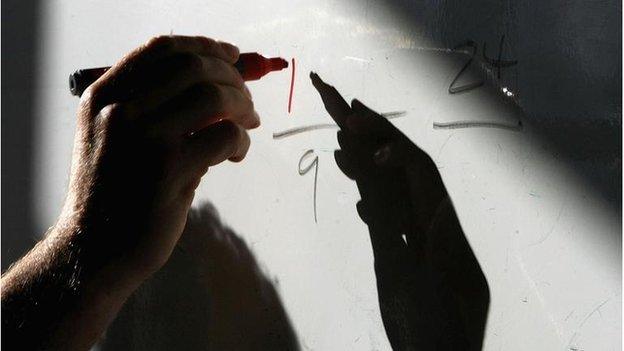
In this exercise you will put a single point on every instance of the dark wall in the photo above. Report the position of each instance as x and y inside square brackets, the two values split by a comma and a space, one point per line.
[568, 76]
[19, 33]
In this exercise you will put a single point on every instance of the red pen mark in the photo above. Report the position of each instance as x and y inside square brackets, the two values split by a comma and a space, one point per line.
[292, 85]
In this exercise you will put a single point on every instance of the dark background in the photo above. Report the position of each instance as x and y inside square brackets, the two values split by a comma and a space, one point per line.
[20, 25]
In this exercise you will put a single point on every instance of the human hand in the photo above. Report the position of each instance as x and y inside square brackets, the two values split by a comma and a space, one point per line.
[147, 132]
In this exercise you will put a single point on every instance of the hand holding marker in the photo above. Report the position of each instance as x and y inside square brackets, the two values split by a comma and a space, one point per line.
[251, 66]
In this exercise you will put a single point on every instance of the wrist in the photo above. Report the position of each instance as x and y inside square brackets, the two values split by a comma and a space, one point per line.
[77, 295]
[103, 275]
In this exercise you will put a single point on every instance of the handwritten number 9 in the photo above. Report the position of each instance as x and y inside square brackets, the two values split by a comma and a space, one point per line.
[306, 169]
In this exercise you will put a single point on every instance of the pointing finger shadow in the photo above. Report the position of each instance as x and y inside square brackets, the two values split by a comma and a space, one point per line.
[432, 292]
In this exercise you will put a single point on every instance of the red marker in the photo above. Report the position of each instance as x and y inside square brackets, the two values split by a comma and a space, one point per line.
[251, 65]
[292, 85]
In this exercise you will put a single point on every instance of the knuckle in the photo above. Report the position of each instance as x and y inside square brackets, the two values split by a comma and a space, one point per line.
[213, 95]
[232, 73]
[191, 62]
[229, 71]
[111, 115]
[240, 82]
[244, 144]
[208, 43]
[89, 98]
[232, 133]
[161, 42]
[249, 104]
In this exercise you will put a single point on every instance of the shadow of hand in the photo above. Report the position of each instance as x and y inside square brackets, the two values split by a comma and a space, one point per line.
[211, 295]
[432, 292]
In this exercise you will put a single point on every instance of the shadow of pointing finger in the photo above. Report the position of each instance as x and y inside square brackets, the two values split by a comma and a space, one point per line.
[432, 292]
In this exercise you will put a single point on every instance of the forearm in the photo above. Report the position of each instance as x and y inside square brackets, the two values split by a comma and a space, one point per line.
[60, 296]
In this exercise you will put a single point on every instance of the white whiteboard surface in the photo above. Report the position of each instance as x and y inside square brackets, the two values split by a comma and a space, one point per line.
[548, 244]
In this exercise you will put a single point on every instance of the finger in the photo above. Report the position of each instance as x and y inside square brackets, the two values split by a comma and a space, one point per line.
[215, 144]
[231, 49]
[120, 79]
[201, 106]
[177, 73]
[197, 44]
[243, 147]
[167, 45]
[335, 105]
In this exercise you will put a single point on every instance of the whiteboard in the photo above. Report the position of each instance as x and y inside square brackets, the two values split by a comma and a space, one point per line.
[547, 239]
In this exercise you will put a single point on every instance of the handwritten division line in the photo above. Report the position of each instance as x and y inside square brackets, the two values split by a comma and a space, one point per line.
[299, 130]
[393, 114]
[477, 124]
[293, 131]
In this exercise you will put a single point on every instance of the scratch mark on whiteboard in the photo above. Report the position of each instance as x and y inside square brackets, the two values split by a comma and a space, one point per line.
[294, 131]
[444, 144]
[576, 333]
[597, 309]
[568, 316]
[540, 298]
[552, 228]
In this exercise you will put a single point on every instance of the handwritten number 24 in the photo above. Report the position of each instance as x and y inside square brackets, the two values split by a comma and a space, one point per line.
[498, 63]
